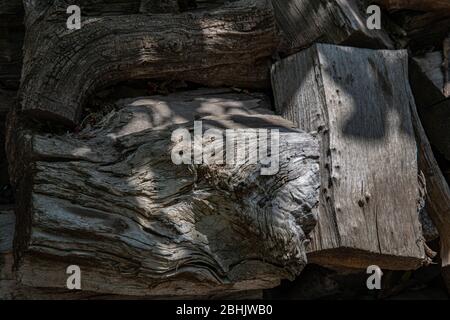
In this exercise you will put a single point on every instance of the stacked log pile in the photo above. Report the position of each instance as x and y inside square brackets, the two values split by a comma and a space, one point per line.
[361, 117]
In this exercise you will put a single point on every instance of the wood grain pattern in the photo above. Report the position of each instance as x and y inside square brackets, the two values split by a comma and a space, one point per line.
[110, 200]
[229, 45]
[356, 100]
[304, 22]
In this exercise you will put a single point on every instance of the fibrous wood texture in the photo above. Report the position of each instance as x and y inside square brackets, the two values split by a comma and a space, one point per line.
[357, 100]
[110, 200]
[217, 44]
[304, 22]
[225, 46]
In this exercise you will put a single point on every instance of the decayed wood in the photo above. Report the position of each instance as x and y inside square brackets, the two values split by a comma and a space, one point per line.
[11, 288]
[438, 192]
[229, 45]
[7, 221]
[217, 44]
[426, 82]
[110, 200]
[304, 22]
[356, 100]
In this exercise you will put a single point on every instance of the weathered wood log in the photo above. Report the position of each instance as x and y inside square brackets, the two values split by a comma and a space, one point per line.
[304, 22]
[110, 200]
[356, 100]
[225, 46]
[11, 39]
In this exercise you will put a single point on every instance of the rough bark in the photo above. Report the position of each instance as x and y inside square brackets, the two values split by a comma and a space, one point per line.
[356, 99]
[110, 200]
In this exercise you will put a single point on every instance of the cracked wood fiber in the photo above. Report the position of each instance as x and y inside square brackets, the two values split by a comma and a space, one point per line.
[305, 22]
[11, 288]
[420, 5]
[438, 193]
[357, 100]
[110, 200]
[229, 45]
[218, 43]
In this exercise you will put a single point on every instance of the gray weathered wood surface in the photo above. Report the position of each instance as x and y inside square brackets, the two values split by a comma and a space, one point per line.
[419, 5]
[304, 22]
[110, 200]
[357, 100]
[11, 40]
